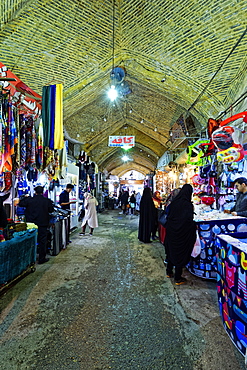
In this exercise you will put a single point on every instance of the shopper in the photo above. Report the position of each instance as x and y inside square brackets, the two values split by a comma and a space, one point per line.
[180, 233]
[240, 207]
[37, 210]
[170, 198]
[147, 222]
[90, 217]
[157, 199]
[138, 200]
[157, 203]
[65, 203]
[132, 203]
[125, 201]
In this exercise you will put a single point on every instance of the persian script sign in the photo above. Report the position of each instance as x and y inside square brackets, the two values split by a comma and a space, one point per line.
[121, 141]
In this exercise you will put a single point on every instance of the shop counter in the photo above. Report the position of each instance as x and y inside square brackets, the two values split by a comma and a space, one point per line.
[232, 286]
[204, 265]
[17, 255]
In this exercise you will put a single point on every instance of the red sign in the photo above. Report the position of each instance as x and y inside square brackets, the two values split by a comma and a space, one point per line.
[121, 141]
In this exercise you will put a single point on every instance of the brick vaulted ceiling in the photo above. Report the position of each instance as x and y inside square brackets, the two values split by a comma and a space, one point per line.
[181, 58]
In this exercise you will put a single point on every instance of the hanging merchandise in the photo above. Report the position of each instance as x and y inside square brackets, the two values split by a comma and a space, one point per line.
[40, 140]
[25, 99]
[52, 116]
[228, 141]
[7, 180]
[242, 115]
[196, 154]
[209, 147]
[8, 134]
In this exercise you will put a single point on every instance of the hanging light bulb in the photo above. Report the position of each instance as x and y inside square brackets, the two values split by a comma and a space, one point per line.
[112, 93]
[105, 119]
[142, 121]
[130, 110]
[155, 129]
[92, 129]
[125, 158]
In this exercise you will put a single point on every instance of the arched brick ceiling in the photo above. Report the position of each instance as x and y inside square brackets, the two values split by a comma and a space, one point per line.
[189, 45]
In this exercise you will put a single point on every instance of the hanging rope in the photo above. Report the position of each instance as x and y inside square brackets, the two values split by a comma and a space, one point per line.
[113, 33]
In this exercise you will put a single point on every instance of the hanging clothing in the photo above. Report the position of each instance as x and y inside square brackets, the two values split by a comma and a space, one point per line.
[23, 141]
[147, 224]
[13, 139]
[40, 140]
[63, 161]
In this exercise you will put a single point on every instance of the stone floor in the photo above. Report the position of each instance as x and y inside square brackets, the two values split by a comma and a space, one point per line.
[105, 303]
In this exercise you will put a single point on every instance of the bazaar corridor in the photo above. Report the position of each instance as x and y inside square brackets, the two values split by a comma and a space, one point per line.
[105, 303]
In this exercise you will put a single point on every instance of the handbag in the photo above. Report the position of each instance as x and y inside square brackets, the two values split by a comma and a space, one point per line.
[163, 218]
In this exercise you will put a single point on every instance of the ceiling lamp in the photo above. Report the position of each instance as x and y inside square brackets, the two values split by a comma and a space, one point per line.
[112, 93]
[125, 158]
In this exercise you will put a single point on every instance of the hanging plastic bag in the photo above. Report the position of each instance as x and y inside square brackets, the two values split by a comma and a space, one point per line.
[197, 246]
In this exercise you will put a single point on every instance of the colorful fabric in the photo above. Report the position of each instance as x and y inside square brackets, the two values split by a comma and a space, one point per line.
[40, 140]
[23, 153]
[13, 139]
[46, 114]
[52, 116]
[59, 140]
[63, 161]
[7, 160]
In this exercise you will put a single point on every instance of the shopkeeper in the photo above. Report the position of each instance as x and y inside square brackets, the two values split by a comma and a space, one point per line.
[65, 202]
[240, 207]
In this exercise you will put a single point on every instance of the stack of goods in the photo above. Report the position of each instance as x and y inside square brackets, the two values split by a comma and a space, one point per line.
[20, 226]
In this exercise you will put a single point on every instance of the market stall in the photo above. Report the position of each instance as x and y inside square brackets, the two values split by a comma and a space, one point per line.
[232, 286]
[17, 256]
[209, 227]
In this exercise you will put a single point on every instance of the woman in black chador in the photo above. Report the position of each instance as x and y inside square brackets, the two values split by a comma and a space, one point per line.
[180, 233]
[147, 221]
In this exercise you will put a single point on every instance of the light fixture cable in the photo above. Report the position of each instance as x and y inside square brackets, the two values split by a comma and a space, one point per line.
[113, 33]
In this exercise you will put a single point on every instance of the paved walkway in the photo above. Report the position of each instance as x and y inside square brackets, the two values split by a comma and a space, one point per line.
[105, 303]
